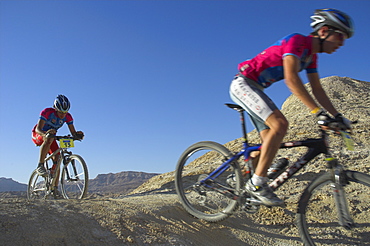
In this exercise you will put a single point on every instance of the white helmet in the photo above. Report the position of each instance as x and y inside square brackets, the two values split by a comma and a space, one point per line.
[333, 18]
[62, 104]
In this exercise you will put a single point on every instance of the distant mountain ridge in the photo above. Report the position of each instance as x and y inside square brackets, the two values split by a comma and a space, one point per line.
[8, 184]
[121, 183]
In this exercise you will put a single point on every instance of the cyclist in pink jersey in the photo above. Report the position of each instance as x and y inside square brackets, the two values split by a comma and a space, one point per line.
[51, 119]
[284, 60]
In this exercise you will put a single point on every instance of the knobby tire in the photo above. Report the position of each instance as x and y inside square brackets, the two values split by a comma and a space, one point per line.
[204, 202]
[74, 178]
[36, 188]
[317, 216]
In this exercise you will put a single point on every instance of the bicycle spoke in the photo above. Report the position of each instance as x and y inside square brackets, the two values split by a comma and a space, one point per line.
[74, 178]
[36, 187]
[204, 198]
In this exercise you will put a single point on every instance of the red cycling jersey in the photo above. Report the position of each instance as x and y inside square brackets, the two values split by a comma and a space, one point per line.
[52, 121]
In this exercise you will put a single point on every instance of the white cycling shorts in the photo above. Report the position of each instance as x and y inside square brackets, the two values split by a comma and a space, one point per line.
[257, 104]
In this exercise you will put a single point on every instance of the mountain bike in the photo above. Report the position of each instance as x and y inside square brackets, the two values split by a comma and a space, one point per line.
[210, 183]
[71, 169]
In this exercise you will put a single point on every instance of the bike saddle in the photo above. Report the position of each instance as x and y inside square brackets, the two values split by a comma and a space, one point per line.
[234, 106]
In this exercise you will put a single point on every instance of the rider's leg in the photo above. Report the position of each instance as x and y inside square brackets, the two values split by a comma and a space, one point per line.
[271, 124]
[255, 155]
[271, 139]
[56, 176]
[44, 149]
[49, 145]
[54, 147]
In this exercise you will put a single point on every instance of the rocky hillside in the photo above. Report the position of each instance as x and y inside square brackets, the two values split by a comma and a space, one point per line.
[119, 183]
[152, 215]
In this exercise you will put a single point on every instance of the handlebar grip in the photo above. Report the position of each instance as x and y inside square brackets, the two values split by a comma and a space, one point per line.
[78, 136]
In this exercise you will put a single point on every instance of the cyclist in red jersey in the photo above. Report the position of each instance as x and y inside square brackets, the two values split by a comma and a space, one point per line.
[284, 60]
[51, 119]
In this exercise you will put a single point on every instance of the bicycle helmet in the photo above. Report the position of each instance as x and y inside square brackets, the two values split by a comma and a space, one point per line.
[333, 18]
[62, 104]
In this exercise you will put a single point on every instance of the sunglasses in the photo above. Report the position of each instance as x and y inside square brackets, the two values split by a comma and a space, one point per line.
[342, 36]
[62, 112]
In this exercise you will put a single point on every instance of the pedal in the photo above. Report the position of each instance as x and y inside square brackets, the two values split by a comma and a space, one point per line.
[251, 205]
[253, 201]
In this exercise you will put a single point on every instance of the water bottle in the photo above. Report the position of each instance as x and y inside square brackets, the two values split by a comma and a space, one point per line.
[277, 168]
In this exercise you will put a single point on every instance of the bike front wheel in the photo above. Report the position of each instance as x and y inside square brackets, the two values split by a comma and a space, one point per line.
[37, 188]
[75, 178]
[208, 199]
[319, 212]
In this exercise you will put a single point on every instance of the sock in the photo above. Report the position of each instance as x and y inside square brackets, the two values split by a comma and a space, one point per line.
[41, 164]
[258, 180]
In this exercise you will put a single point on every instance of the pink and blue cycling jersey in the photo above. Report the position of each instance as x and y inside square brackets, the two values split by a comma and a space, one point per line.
[267, 67]
[52, 121]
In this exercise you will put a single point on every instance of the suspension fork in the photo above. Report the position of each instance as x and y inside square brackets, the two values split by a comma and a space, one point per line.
[66, 160]
[339, 181]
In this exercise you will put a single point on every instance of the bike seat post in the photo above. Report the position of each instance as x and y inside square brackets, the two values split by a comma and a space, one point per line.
[244, 128]
[242, 120]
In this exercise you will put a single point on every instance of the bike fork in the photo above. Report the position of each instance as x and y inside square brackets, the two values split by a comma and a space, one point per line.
[66, 162]
[344, 216]
[340, 180]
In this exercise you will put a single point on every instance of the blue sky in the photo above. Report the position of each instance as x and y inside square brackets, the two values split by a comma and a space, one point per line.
[145, 78]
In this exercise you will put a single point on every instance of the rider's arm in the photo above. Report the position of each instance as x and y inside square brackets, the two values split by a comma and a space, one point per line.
[75, 133]
[320, 94]
[72, 129]
[293, 81]
[40, 125]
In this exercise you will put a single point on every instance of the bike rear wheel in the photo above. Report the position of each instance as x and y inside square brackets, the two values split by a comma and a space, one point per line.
[317, 216]
[206, 201]
[75, 178]
[37, 188]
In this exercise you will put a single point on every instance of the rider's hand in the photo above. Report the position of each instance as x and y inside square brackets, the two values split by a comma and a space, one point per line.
[79, 135]
[50, 133]
[344, 121]
[322, 116]
[323, 119]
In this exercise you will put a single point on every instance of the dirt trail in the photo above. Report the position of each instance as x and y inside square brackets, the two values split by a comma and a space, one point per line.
[150, 219]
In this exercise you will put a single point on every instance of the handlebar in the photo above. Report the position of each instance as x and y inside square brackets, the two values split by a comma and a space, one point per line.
[78, 137]
[334, 125]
